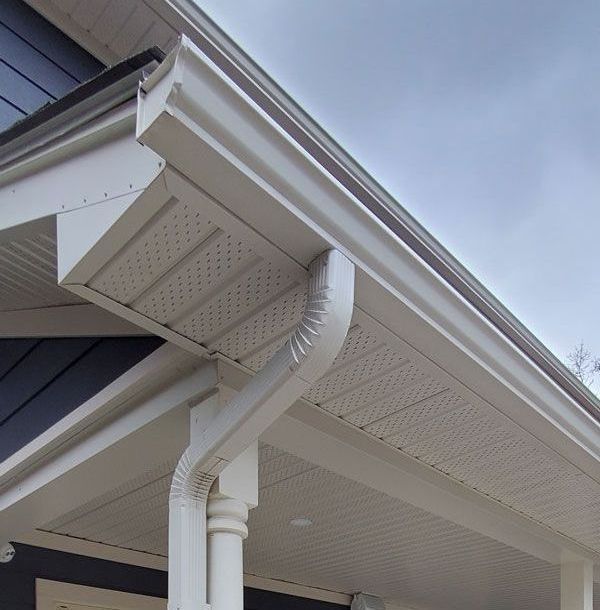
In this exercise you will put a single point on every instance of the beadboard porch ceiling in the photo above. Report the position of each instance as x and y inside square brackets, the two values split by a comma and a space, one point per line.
[360, 540]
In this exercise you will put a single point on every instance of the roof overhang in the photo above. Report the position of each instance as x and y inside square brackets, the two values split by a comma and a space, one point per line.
[196, 118]
[210, 147]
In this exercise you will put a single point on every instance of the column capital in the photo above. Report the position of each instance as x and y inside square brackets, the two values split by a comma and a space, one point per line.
[227, 515]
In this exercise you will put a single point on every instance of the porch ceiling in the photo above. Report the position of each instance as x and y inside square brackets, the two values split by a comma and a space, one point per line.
[360, 540]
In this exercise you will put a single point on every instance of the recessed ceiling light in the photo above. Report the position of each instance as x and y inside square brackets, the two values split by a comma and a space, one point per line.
[301, 522]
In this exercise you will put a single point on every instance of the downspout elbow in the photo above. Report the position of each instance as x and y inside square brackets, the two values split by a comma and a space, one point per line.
[301, 361]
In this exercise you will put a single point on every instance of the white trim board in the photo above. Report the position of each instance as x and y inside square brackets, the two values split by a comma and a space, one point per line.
[102, 551]
[64, 175]
[105, 443]
[85, 320]
[158, 368]
[53, 595]
[87, 548]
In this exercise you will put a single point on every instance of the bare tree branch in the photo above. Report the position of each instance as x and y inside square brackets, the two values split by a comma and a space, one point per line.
[582, 364]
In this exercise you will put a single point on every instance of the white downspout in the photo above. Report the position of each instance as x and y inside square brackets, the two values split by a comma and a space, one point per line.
[303, 359]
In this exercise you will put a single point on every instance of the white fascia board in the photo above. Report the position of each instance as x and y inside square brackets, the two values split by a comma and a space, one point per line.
[327, 441]
[85, 320]
[101, 162]
[153, 372]
[137, 422]
[198, 120]
[88, 548]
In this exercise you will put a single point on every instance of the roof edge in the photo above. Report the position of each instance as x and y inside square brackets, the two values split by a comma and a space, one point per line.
[83, 104]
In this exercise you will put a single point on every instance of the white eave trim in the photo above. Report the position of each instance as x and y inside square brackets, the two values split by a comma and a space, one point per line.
[185, 16]
[156, 369]
[196, 118]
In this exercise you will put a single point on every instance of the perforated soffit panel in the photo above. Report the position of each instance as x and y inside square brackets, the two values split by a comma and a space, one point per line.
[208, 282]
[360, 540]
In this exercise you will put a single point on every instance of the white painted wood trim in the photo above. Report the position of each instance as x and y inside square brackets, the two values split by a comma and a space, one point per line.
[51, 594]
[165, 361]
[145, 560]
[84, 320]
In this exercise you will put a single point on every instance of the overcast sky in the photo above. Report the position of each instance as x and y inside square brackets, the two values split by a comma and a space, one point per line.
[481, 117]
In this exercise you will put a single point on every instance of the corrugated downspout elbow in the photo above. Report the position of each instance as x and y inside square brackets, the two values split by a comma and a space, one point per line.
[303, 359]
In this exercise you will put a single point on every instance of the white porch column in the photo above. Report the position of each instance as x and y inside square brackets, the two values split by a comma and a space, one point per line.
[232, 494]
[576, 584]
[226, 527]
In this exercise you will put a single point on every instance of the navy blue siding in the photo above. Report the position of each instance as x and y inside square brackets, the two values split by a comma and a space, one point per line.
[12, 350]
[17, 581]
[43, 380]
[257, 599]
[38, 63]
[17, 578]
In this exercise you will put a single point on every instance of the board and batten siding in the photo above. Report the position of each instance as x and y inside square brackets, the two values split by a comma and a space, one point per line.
[43, 380]
[38, 63]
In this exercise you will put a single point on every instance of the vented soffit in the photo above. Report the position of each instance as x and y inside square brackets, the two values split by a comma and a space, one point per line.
[212, 255]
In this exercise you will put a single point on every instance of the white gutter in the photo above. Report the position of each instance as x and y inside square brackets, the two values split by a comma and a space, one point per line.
[186, 16]
[307, 354]
[207, 128]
